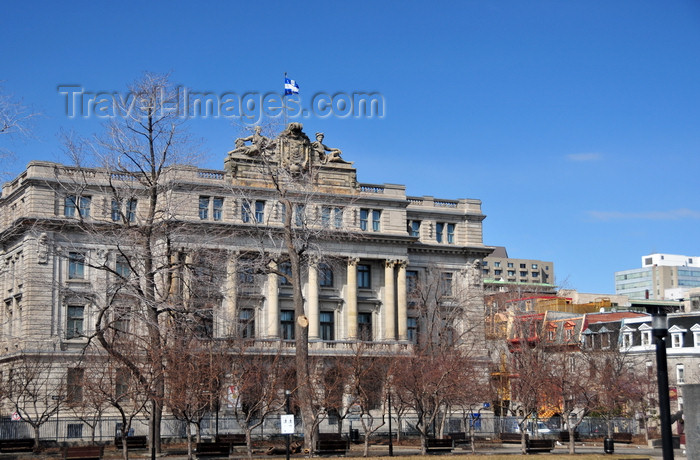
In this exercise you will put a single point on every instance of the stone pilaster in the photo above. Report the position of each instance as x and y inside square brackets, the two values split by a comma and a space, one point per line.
[351, 299]
[313, 301]
[402, 304]
[273, 308]
[389, 308]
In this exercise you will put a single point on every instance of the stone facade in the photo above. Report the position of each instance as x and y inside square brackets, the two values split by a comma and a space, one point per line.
[371, 241]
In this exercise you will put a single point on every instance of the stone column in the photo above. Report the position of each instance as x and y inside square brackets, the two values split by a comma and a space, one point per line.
[229, 319]
[401, 301]
[313, 300]
[389, 309]
[273, 308]
[351, 300]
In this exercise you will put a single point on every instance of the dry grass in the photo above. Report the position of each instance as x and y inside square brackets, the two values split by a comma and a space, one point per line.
[516, 456]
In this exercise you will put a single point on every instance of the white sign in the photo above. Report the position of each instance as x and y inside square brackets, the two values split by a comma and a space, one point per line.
[287, 422]
[15, 417]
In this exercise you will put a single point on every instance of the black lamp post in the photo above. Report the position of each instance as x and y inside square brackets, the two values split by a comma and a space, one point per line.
[286, 406]
[659, 328]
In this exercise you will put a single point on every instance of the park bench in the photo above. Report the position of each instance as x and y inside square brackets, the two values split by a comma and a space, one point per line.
[17, 445]
[213, 449]
[132, 442]
[564, 436]
[539, 445]
[512, 438]
[235, 439]
[83, 452]
[435, 445]
[331, 443]
[622, 437]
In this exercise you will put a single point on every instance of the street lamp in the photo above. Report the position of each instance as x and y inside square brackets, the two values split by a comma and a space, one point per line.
[659, 328]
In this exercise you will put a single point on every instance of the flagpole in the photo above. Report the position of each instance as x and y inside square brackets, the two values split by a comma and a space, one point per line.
[284, 101]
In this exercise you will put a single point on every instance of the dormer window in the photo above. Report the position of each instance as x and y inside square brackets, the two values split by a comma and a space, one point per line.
[645, 329]
[696, 334]
[677, 336]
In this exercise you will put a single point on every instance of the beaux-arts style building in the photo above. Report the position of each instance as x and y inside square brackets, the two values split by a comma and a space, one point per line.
[384, 240]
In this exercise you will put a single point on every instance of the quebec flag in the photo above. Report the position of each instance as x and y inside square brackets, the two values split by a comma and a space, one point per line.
[290, 87]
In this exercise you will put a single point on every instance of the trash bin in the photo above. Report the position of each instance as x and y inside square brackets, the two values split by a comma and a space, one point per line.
[355, 435]
[609, 445]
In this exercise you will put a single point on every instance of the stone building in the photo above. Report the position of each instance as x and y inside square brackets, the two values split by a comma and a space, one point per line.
[65, 232]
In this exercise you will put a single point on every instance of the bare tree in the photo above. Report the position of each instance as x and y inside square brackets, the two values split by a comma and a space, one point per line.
[37, 388]
[14, 120]
[258, 380]
[139, 259]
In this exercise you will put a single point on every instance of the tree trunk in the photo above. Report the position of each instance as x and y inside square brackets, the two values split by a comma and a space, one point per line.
[189, 440]
[36, 437]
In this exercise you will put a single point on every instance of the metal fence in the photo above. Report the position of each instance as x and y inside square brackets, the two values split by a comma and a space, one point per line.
[67, 429]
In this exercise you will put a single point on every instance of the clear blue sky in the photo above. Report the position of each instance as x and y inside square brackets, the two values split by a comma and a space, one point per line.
[577, 123]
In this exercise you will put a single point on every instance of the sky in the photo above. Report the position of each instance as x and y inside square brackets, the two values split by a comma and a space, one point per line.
[577, 123]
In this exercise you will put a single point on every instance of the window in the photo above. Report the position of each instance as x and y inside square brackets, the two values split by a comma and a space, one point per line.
[439, 228]
[76, 265]
[73, 202]
[534, 266]
[535, 274]
[696, 338]
[496, 264]
[246, 319]
[446, 284]
[411, 280]
[551, 334]
[364, 278]
[74, 321]
[523, 273]
[74, 385]
[259, 211]
[75, 430]
[286, 268]
[121, 384]
[116, 211]
[450, 233]
[646, 338]
[375, 215]
[325, 275]
[325, 217]
[364, 326]
[677, 340]
[511, 272]
[217, 208]
[412, 329]
[204, 207]
[414, 228]
[121, 266]
[299, 215]
[510, 264]
[605, 340]
[523, 266]
[680, 373]
[246, 276]
[131, 210]
[327, 325]
[122, 315]
[498, 272]
[287, 323]
[376, 220]
[569, 334]
[627, 340]
[245, 212]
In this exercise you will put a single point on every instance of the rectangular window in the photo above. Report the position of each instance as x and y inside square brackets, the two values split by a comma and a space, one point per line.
[523, 273]
[535, 274]
[131, 210]
[338, 217]
[497, 272]
[676, 341]
[74, 385]
[122, 267]
[450, 233]
[246, 276]
[511, 272]
[75, 430]
[680, 373]
[325, 216]
[325, 275]
[84, 207]
[496, 264]
[246, 318]
[327, 325]
[364, 278]
[364, 326]
[446, 284]
[411, 281]
[245, 212]
[76, 265]
[217, 208]
[286, 268]
[364, 219]
[300, 215]
[523, 265]
[376, 220]
[122, 314]
[287, 324]
[627, 340]
[646, 338]
[116, 211]
[74, 321]
[412, 329]
[121, 384]
[204, 207]
[414, 228]
[69, 206]
[510, 265]
[439, 229]
[260, 212]
[534, 266]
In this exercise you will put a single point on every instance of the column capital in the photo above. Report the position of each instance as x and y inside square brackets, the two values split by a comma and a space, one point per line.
[353, 261]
